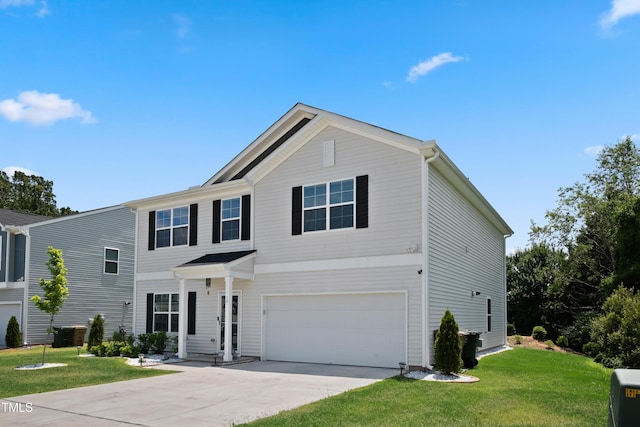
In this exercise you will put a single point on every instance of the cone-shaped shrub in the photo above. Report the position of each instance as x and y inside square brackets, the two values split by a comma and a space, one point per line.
[13, 338]
[96, 333]
[447, 349]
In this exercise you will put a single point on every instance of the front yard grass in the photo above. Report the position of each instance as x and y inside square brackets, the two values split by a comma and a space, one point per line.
[520, 387]
[81, 371]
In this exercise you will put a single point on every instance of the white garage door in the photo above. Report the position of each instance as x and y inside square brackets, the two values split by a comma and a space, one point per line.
[6, 311]
[346, 329]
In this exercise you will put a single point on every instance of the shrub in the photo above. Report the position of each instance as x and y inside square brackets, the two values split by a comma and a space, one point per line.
[539, 333]
[549, 344]
[447, 348]
[511, 329]
[158, 342]
[518, 339]
[615, 336]
[562, 341]
[13, 338]
[98, 350]
[129, 351]
[119, 336]
[96, 332]
[144, 343]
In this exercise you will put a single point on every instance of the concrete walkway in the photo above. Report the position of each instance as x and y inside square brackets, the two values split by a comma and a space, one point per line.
[200, 395]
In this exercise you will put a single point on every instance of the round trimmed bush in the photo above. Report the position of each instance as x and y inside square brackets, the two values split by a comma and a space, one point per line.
[539, 333]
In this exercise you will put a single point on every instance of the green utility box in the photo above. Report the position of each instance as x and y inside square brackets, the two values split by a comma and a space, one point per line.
[624, 398]
[68, 336]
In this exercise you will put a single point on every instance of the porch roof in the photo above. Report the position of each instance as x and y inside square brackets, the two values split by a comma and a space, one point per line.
[237, 264]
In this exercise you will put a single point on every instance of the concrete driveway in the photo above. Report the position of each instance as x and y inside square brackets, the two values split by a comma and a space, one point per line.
[200, 395]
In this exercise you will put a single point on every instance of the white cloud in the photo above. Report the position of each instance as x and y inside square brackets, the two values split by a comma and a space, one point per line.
[619, 9]
[634, 137]
[42, 109]
[10, 170]
[431, 64]
[184, 26]
[44, 9]
[15, 3]
[594, 150]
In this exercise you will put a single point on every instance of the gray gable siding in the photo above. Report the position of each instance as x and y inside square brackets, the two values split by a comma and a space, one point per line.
[82, 239]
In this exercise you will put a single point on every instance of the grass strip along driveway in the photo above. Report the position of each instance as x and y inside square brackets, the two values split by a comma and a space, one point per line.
[521, 387]
[79, 372]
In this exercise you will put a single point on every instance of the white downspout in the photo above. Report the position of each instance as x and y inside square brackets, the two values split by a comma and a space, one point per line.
[426, 352]
[134, 329]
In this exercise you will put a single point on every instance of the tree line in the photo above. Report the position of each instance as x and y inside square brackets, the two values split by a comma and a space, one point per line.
[31, 194]
[580, 276]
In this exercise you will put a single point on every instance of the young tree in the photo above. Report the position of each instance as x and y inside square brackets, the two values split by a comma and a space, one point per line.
[55, 290]
[13, 338]
[447, 351]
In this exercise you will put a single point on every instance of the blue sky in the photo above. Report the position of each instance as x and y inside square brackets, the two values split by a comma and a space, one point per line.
[120, 100]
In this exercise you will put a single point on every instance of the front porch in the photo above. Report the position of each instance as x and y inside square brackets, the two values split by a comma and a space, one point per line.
[227, 266]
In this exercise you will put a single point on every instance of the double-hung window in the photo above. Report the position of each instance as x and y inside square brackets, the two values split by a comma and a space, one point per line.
[231, 219]
[172, 227]
[165, 312]
[111, 260]
[329, 206]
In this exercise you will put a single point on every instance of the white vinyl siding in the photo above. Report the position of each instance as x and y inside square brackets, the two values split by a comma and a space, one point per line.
[391, 229]
[465, 253]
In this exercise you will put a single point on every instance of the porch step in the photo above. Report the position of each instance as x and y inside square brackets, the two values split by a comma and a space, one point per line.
[216, 360]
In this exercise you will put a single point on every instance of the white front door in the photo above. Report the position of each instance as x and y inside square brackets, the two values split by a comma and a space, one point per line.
[235, 320]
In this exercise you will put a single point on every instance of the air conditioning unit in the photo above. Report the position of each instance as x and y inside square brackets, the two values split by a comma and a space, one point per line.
[624, 398]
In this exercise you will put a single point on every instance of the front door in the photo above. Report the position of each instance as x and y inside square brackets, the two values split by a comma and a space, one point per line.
[222, 322]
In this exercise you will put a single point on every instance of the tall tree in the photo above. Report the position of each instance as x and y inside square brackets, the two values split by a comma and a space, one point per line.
[530, 274]
[584, 225]
[55, 290]
[29, 193]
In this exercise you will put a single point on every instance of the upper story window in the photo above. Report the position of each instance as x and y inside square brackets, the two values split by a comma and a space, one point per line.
[329, 206]
[231, 219]
[111, 260]
[172, 227]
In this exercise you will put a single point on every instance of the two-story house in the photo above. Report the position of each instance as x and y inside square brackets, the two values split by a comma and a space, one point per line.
[98, 251]
[336, 241]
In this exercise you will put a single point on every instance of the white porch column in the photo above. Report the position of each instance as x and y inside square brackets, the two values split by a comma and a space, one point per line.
[182, 320]
[228, 320]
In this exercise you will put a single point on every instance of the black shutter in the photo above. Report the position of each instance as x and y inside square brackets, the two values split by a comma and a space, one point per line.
[362, 201]
[152, 230]
[246, 217]
[296, 211]
[217, 217]
[191, 314]
[149, 313]
[193, 224]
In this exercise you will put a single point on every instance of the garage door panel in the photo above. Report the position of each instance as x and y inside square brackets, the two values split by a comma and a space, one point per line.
[351, 329]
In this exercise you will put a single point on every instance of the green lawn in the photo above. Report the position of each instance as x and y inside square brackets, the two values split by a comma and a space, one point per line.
[521, 387]
[81, 371]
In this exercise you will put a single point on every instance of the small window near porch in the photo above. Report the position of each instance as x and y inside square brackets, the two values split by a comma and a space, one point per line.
[165, 312]
[111, 260]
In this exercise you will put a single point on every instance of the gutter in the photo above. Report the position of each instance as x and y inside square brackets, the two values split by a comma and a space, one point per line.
[430, 154]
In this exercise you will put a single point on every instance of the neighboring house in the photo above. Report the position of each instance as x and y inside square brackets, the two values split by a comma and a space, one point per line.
[336, 241]
[98, 251]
